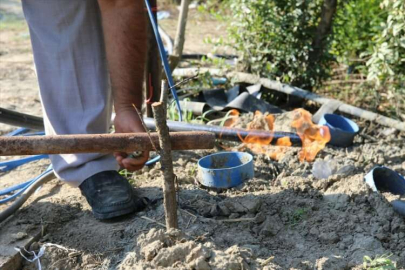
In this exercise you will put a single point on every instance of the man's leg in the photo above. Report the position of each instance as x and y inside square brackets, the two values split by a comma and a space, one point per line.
[71, 65]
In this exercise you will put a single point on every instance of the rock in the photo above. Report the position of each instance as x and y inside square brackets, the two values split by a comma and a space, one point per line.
[19, 236]
[221, 260]
[347, 170]
[337, 200]
[177, 253]
[314, 231]
[331, 263]
[247, 204]
[364, 245]
[151, 250]
[260, 218]
[329, 238]
[271, 226]
[224, 210]
[154, 172]
[88, 259]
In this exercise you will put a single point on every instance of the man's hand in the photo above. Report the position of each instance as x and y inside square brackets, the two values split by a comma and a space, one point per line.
[128, 122]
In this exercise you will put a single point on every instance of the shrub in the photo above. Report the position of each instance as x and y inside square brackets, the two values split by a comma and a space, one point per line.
[355, 27]
[275, 39]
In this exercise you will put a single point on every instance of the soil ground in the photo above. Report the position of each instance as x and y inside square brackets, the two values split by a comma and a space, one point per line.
[284, 218]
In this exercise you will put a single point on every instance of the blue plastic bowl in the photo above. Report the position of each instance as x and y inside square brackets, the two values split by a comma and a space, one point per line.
[342, 129]
[225, 169]
[381, 178]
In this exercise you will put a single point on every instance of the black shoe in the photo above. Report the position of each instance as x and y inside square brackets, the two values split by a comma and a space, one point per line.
[110, 195]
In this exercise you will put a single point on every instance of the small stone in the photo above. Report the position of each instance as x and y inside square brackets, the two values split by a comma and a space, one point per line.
[271, 226]
[19, 236]
[154, 172]
[331, 237]
[150, 251]
[314, 231]
[260, 218]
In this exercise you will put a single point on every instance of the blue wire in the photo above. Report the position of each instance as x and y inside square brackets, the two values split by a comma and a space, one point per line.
[16, 132]
[163, 56]
[6, 166]
[152, 161]
[25, 186]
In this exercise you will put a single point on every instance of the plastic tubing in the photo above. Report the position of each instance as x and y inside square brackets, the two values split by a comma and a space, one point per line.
[40, 180]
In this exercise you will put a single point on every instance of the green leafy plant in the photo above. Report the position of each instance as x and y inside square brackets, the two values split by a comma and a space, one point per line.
[355, 26]
[274, 39]
[295, 217]
[386, 66]
[378, 263]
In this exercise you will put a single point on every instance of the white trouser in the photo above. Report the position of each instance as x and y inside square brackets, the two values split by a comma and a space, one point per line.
[70, 61]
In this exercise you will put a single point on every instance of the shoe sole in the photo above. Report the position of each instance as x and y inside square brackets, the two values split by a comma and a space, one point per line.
[138, 205]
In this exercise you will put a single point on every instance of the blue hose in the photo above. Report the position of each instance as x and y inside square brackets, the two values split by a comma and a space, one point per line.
[6, 166]
[21, 187]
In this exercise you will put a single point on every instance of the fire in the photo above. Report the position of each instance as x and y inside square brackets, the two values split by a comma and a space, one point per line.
[313, 137]
[259, 122]
[283, 143]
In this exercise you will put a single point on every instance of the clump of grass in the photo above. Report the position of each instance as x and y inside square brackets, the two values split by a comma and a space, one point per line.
[295, 217]
[193, 171]
[378, 263]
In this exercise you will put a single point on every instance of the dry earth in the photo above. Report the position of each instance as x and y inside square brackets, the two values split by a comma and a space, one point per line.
[284, 218]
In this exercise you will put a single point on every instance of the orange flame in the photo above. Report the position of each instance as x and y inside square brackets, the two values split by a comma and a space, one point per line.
[259, 122]
[313, 137]
[283, 144]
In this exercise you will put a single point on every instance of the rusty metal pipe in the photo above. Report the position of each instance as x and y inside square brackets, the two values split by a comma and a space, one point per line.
[227, 133]
[101, 143]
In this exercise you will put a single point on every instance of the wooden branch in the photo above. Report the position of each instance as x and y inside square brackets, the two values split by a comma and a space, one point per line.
[169, 190]
[180, 34]
[295, 91]
[101, 143]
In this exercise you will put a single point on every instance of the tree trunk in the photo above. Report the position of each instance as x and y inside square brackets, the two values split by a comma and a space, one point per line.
[323, 30]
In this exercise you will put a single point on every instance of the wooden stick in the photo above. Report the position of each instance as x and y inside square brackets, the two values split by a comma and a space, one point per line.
[295, 91]
[101, 143]
[181, 28]
[169, 190]
[153, 221]
[180, 34]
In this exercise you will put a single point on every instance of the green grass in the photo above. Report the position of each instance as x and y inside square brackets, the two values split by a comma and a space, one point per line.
[295, 217]
[378, 263]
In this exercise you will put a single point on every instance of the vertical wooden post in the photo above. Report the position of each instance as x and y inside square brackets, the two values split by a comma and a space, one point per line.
[169, 189]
